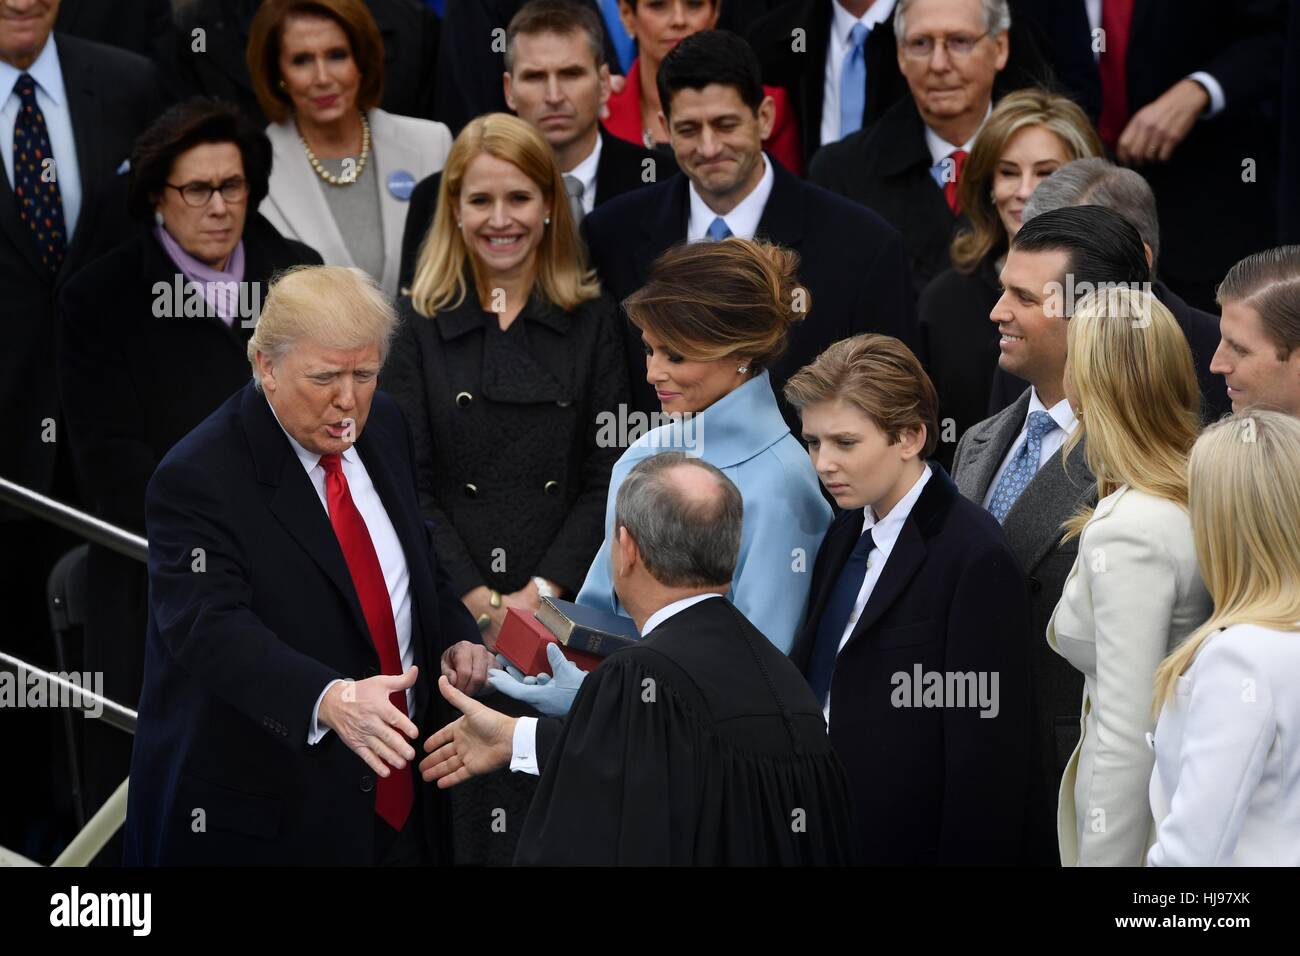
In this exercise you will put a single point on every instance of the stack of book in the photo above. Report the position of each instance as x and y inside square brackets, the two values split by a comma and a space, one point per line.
[586, 636]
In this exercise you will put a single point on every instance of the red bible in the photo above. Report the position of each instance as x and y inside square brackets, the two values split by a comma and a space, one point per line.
[523, 640]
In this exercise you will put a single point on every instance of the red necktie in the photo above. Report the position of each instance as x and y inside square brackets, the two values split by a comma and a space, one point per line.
[1116, 20]
[394, 794]
[958, 158]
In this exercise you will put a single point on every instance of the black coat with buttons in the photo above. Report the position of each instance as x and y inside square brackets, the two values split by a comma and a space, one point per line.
[505, 427]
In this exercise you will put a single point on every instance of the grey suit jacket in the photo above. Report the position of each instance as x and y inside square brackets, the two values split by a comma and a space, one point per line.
[1033, 526]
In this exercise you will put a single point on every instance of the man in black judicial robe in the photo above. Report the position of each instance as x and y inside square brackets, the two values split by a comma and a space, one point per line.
[702, 744]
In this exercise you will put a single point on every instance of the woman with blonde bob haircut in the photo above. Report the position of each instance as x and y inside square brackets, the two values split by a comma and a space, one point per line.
[1135, 589]
[1029, 135]
[1226, 787]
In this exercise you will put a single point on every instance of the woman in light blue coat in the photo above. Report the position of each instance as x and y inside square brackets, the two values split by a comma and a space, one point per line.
[714, 316]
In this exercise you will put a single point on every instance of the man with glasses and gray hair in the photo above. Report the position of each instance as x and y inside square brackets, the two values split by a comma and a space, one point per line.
[1097, 182]
[701, 744]
[906, 166]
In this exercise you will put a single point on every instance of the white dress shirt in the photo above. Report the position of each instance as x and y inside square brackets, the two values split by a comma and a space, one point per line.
[884, 535]
[52, 98]
[1061, 413]
[585, 173]
[392, 559]
[742, 221]
[1217, 99]
[842, 24]
[524, 759]
[1226, 786]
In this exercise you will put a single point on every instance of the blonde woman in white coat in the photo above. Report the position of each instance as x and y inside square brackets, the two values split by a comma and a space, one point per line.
[1226, 788]
[343, 170]
[1135, 590]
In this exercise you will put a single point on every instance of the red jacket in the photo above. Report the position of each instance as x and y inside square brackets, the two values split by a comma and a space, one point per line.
[625, 121]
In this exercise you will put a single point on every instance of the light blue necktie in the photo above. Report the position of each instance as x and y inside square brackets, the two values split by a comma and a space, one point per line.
[1022, 467]
[853, 82]
[718, 230]
[624, 45]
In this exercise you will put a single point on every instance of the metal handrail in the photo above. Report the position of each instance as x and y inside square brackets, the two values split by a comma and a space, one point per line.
[111, 712]
[93, 529]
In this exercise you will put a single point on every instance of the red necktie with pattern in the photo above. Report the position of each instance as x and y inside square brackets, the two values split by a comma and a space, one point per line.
[394, 794]
[1116, 20]
[36, 185]
[950, 187]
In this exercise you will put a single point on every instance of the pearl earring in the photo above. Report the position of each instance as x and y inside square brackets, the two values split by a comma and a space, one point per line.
[546, 221]
[283, 86]
[158, 217]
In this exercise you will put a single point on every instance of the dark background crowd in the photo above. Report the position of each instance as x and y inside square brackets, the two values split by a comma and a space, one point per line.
[201, 142]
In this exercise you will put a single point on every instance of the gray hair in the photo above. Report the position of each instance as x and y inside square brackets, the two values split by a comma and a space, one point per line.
[996, 13]
[1098, 182]
[685, 541]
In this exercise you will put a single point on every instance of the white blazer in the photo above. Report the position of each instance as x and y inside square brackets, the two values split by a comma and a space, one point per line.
[1226, 788]
[296, 203]
[1134, 593]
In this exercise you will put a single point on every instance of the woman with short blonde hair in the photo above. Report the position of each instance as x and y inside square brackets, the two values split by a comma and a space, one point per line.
[1226, 787]
[1135, 589]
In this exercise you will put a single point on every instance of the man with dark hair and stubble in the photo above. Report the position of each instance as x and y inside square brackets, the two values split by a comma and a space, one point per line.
[1012, 463]
[701, 744]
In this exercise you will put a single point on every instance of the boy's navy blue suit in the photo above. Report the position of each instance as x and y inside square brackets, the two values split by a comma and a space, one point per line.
[930, 785]
[238, 653]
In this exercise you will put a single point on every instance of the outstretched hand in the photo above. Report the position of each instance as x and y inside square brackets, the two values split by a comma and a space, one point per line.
[477, 743]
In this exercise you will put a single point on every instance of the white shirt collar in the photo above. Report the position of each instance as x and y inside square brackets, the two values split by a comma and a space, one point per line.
[842, 21]
[45, 71]
[1061, 412]
[309, 459]
[884, 533]
[743, 220]
[941, 149]
[668, 610]
[585, 173]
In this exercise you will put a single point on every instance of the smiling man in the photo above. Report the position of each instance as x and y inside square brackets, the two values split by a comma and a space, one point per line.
[852, 263]
[298, 614]
[1013, 463]
[1259, 354]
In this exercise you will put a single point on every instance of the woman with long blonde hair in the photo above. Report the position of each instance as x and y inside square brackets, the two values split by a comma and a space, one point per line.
[1226, 786]
[1135, 589]
[1030, 134]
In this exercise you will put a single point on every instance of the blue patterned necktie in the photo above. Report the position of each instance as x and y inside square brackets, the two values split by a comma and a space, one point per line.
[718, 230]
[40, 204]
[835, 617]
[1022, 467]
[853, 82]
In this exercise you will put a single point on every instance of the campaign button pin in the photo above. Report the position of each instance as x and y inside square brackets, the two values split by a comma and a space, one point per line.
[401, 184]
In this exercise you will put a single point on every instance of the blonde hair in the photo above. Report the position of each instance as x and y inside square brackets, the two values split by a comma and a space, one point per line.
[1245, 508]
[1131, 368]
[1014, 112]
[335, 306]
[878, 375]
[562, 273]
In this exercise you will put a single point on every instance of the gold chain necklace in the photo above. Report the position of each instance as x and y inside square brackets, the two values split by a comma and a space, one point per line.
[329, 177]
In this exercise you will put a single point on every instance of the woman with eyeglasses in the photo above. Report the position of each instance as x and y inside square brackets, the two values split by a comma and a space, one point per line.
[152, 340]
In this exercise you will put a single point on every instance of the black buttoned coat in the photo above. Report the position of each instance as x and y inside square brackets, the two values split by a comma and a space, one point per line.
[506, 427]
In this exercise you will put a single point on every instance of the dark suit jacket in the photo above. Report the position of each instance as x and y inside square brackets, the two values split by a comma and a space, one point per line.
[934, 784]
[1289, 224]
[1202, 332]
[803, 71]
[133, 383]
[1209, 217]
[887, 169]
[237, 656]
[619, 171]
[141, 26]
[1033, 527]
[408, 28]
[851, 261]
[112, 96]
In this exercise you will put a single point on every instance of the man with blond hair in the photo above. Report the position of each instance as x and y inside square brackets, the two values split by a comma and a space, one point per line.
[298, 614]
